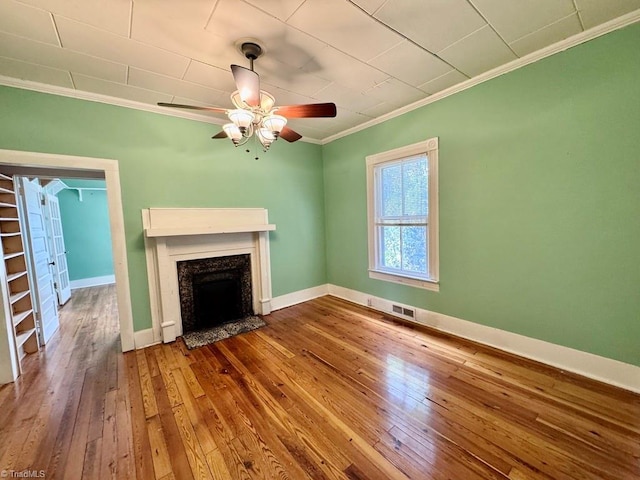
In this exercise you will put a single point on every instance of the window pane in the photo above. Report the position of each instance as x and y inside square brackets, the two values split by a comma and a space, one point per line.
[391, 186]
[390, 247]
[414, 249]
[414, 177]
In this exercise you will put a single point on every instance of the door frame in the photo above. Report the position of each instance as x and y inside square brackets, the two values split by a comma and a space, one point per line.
[109, 169]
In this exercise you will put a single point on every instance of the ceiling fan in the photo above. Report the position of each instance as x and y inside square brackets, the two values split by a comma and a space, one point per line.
[255, 113]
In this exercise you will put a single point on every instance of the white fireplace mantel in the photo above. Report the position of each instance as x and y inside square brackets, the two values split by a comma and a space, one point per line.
[179, 234]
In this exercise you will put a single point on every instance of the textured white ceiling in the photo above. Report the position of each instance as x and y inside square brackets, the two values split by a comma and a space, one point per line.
[370, 57]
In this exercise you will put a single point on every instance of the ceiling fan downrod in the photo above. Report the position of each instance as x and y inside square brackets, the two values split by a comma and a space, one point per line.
[252, 51]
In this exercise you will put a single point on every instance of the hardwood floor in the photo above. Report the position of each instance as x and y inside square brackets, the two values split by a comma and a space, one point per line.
[327, 390]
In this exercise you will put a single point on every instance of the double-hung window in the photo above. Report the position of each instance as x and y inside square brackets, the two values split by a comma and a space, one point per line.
[402, 188]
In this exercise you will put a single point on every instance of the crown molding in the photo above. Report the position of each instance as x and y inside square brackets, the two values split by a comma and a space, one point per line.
[119, 102]
[533, 57]
[558, 47]
[97, 97]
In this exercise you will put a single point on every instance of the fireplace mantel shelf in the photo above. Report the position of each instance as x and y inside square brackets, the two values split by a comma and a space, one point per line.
[174, 232]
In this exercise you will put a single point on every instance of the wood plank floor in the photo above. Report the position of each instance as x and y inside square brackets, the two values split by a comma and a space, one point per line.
[327, 390]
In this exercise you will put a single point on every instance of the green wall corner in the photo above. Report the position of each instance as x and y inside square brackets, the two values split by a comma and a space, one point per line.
[539, 200]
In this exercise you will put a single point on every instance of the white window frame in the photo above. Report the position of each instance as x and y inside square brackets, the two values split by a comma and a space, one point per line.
[430, 148]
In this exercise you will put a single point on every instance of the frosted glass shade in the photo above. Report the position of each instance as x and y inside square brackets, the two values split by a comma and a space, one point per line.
[232, 131]
[274, 123]
[242, 118]
[266, 137]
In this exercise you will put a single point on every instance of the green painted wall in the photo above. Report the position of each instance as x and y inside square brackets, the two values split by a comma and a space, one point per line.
[539, 195]
[87, 234]
[171, 162]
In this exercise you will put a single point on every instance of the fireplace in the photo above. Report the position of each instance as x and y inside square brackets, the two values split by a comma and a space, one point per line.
[177, 235]
[214, 291]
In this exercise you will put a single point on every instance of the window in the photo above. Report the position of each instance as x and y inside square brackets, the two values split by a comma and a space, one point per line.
[402, 188]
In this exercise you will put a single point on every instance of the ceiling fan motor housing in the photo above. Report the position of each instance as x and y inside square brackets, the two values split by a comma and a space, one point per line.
[251, 50]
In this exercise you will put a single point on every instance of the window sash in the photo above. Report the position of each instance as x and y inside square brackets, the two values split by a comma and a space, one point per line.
[402, 221]
[380, 263]
[426, 238]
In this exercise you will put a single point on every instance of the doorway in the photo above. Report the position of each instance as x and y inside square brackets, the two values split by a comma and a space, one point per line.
[60, 166]
[67, 241]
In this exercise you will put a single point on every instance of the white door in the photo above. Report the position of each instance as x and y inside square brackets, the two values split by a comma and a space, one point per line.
[58, 250]
[46, 304]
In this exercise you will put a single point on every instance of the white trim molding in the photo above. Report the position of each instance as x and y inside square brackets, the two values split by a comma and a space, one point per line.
[107, 169]
[117, 101]
[92, 281]
[561, 46]
[375, 219]
[300, 296]
[599, 368]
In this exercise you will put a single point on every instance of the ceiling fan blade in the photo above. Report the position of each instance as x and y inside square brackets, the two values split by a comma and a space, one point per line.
[248, 83]
[290, 135]
[222, 134]
[309, 110]
[194, 107]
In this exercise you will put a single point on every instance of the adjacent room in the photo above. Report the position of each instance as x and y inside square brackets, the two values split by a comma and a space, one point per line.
[310, 239]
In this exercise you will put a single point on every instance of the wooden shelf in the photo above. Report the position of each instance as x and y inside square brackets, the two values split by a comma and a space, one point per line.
[5, 177]
[10, 234]
[7, 205]
[6, 190]
[9, 256]
[22, 337]
[11, 277]
[17, 296]
[19, 317]
[9, 219]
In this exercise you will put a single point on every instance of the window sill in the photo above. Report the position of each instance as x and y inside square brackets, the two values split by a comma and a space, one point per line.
[431, 285]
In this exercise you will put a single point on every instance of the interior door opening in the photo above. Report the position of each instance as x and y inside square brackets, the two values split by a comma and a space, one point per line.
[67, 241]
[50, 166]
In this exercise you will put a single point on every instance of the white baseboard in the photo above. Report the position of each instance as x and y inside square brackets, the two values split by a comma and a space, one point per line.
[92, 281]
[300, 296]
[144, 338]
[604, 369]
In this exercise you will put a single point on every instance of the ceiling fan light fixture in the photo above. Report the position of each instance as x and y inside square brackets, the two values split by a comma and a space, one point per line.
[255, 114]
[274, 123]
[266, 101]
[238, 102]
[233, 132]
[241, 118]
[266, 137]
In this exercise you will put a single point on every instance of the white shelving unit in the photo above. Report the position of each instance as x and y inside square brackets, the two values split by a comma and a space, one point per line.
[22, 328]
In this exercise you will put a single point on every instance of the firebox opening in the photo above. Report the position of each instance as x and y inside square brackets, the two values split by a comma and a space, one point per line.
[214, 291]
[216, 300]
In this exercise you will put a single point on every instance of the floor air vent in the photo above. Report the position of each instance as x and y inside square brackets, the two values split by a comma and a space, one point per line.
[406, 312]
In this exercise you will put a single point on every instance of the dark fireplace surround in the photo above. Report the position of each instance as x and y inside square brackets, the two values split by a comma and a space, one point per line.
[214, 291]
